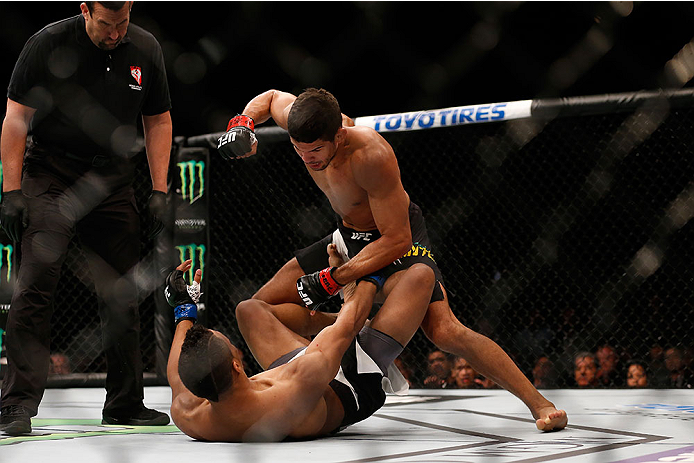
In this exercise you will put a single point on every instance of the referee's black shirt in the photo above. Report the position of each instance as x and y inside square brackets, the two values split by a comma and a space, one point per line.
[88, 100]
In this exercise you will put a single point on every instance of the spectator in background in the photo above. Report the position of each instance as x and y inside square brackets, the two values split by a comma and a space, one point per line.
[656, 366]
[439, 371]
[678, 375]
[406, 371]
[608, 366]
[464, 376]
[544, 373]
[486, 383]
[585, 370]
[637, 374]
[60, 364]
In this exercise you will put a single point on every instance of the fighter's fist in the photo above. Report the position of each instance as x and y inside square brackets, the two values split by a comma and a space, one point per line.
[318, 287]
[239, 139]
[182, 297]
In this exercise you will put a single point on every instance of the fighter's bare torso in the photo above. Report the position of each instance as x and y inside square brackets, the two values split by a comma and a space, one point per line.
[341, 181]
[270, 408]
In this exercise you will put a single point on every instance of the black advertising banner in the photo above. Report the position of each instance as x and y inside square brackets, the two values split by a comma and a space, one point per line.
[191, 215]
[8, 275]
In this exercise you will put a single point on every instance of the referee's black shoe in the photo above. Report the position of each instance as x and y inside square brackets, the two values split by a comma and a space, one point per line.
[142, 416]
[15, 420]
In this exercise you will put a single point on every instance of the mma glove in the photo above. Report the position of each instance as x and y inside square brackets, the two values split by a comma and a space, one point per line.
[14, 214]
[377, 280]
[238, 139]
[182, 297]
[318, 287]
[156, 209]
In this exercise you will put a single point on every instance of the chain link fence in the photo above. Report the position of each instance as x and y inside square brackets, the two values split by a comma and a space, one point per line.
[555, 237]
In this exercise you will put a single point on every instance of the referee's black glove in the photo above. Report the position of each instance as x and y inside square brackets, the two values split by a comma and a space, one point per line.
[14, 214]
[156, 209]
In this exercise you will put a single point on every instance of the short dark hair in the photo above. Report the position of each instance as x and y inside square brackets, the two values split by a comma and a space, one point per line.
[315, 115]
[113, 6]
[205, 363]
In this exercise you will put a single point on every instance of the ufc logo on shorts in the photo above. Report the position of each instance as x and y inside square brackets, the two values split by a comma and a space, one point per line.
[361, 236]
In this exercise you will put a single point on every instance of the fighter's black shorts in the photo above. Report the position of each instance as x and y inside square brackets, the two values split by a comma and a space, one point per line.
[315, 257]
[361, 394]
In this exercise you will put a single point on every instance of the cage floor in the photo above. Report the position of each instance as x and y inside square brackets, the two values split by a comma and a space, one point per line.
[426, 426]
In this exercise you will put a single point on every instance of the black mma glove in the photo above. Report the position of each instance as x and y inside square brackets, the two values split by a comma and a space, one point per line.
[318, 287]
[239, 138]
[14, 215]
[156, 209]
[182, 297]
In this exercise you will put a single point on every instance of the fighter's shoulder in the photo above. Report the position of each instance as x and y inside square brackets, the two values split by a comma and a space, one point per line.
[366, 141]
[188, 413]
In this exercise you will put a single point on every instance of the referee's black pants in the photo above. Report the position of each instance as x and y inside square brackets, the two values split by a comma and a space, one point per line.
[67, 198]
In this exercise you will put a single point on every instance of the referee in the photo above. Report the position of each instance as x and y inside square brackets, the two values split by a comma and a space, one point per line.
[79, 88]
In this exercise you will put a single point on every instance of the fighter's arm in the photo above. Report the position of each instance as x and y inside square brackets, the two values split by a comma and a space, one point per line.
[376, 170]
[187, 410]
[270, 104]
[326, 350]
[240, 141]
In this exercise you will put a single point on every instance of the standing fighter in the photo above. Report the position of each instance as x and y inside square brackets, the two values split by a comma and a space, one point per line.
[381, 228]
[309, 389]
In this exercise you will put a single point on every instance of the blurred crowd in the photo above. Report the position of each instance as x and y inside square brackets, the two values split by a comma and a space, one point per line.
[606, 367]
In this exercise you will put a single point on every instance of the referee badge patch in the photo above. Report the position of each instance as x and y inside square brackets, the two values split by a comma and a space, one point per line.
[136, 72]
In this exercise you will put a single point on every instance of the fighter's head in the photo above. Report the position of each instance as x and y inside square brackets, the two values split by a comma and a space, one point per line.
[314, 124]
[315, 115]
[207, 363]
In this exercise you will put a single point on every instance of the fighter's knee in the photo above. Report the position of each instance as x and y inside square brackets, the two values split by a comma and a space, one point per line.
[245, 310]
[442, 327]
[423, 273]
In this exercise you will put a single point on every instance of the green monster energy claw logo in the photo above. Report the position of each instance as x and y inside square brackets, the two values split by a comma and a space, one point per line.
[195, 252]
[6, 251]
[192, 180]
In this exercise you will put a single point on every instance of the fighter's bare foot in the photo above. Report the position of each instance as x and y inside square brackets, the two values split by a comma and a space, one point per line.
[551, 419]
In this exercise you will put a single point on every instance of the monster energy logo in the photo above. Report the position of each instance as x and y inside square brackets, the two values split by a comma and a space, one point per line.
[196, 253]
[192, 180]
[6, 258]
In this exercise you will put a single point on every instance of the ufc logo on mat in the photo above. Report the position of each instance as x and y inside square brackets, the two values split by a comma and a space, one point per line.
[361, 236]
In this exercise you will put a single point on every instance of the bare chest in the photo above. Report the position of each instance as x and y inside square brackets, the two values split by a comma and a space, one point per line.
[347, 198]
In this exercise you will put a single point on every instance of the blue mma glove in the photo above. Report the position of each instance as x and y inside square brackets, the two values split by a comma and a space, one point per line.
[376, 279]
[182, 297]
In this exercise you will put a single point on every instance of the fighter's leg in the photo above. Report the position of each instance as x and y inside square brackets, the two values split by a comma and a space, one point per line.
[409, 292]
[445, 330]
[267, 337]
[282, 286]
